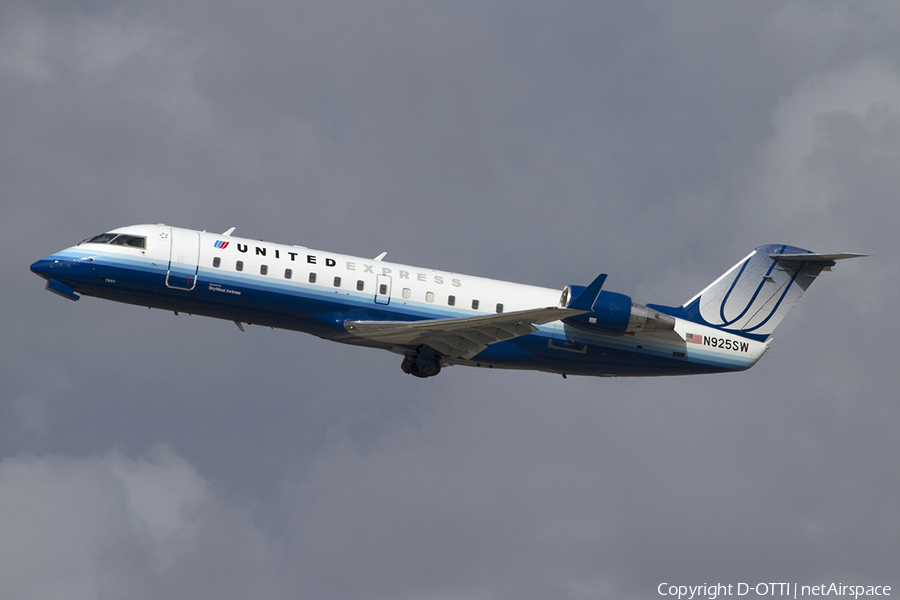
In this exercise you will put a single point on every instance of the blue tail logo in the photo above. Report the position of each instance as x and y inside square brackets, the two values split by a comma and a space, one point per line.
[752, 297]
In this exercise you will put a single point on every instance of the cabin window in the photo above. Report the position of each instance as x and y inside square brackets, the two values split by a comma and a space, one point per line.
[337, 282]
[135, 241]
[239, 265]
[217, 261]
[360, 284]
[312, 277]
[499, 307]
[263, 269]
[429, 296]
[407, 293]
[288, 273]
[474, 304]
[382, 289]
[451, 300]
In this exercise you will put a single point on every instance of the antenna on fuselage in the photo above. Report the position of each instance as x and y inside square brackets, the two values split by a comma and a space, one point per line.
[380, 256]
[229, 231]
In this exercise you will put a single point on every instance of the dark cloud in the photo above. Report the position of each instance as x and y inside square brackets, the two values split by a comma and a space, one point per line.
[144, 455]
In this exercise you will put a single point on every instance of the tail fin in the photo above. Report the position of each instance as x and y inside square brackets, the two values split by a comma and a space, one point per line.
[752, 297]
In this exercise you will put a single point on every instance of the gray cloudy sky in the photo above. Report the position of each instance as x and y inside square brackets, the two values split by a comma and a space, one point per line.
[146, 456]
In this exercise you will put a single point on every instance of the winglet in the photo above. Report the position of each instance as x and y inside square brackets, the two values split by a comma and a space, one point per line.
[585, 300]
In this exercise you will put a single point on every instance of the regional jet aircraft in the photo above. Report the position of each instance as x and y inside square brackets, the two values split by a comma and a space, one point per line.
[436, 318]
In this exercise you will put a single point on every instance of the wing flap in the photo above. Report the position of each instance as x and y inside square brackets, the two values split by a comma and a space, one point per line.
[459, 338]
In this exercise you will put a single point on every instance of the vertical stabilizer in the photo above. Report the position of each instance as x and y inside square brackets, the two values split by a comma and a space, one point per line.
[752, 297]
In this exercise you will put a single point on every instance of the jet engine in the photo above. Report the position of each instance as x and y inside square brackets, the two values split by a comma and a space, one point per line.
[611, 313]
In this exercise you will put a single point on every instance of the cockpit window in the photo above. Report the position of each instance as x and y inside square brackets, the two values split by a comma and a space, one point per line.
[135, 241]
[118, 239]
[103, 238]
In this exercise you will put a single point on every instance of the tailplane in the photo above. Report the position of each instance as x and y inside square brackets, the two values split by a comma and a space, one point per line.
[752, 297]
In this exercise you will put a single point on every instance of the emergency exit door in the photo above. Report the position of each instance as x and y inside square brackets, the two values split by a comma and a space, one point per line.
[383, 289]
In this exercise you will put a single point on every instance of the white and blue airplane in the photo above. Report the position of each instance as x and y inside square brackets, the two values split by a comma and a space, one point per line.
[437, 318]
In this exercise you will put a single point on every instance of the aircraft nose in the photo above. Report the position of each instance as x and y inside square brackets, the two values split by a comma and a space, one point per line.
[44, 267]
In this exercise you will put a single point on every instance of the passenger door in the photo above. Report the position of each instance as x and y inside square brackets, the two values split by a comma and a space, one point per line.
[184, 259]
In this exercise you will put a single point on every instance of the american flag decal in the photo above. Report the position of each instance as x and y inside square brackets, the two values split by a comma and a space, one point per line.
[221, 244]
[693, 338]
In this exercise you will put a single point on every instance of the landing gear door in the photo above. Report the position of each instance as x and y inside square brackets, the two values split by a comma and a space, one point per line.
[184, 259]
[383, 289]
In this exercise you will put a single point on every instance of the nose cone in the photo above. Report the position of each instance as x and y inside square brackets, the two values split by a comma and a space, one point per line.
[44, 267]
[51, 268]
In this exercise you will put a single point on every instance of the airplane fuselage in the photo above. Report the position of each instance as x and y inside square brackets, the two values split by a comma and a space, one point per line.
[321, 293]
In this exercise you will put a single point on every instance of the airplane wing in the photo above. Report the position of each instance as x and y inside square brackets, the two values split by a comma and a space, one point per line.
[459, 338]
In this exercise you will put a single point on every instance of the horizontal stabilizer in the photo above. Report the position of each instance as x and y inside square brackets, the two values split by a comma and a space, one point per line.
[459, 338]
[815, 256]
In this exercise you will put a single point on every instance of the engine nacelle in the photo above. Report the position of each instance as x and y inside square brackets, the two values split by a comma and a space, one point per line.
[614, 314]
